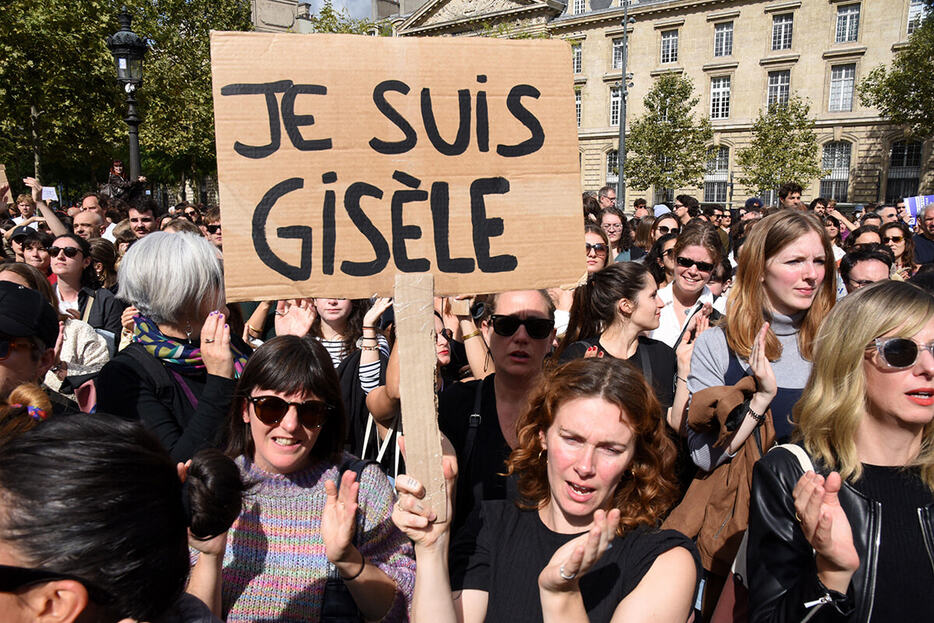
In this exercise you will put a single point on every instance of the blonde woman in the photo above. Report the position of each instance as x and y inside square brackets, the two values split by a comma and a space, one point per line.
[853, 538]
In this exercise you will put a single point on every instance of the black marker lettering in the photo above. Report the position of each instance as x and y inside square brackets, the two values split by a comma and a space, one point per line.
[268, 89]
[293, 122]
[485, 228]
[329, 227]
[440, 218]
[297, 232]
[390, 147]
[462, 140]
[520, 112]
[352, 197]
[483, 119]
[402, 232]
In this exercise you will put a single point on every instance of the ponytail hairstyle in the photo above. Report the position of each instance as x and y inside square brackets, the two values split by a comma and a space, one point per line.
[24, 408]
[215, 493]
[595, 303]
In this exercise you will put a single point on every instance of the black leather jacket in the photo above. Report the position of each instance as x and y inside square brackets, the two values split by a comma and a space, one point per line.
[783, 584]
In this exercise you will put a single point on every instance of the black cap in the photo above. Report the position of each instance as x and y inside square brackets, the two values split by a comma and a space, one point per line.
[753, 202]
[22, 230]
[26, 313]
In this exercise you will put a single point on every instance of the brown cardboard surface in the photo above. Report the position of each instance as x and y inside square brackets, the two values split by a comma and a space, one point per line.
[541, 220]
[7, 198]
[415, 334]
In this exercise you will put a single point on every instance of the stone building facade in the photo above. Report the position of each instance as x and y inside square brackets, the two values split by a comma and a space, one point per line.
[740, 55]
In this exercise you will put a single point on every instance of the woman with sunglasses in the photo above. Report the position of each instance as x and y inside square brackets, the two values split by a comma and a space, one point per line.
[479, 417]
[897, 236]
[696, 252]
[594, 472]
[309, 517]
[597, 248]
[851, 537]
[665, 224]
[783, 290]
[77, 288]
[661, 260]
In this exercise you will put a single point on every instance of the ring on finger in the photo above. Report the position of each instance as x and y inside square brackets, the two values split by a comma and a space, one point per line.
[209, 340]
[566, 577]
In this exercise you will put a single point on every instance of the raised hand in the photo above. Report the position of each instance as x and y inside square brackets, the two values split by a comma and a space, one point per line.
[761, 366]
[373, 314]
[575, 558]
[827, 528]
[215, 346]
[338, 522]
[295, 316]
[413, 514]
[126, 318]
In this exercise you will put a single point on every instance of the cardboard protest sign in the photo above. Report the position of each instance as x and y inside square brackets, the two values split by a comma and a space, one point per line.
[344, 160]
[7, 197]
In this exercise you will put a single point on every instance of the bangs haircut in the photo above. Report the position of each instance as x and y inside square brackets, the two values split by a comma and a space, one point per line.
[648, 488]
[170, 277]
[747, 300]
[703, 235]
[834, 400]
[288, 364]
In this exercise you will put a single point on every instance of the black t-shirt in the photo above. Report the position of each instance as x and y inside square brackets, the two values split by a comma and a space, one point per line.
[661, 358]
[480, 477]
[503, 549]
[924, 249]
[903, 573]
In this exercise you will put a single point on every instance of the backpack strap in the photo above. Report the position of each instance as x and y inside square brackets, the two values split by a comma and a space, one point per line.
[473, 424]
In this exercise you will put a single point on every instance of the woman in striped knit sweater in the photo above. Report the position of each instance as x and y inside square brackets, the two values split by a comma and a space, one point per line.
[286, 433]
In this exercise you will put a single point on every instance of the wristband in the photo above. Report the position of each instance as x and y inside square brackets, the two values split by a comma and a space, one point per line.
[474, 333]
[369, 348]
[681, 378]
[250, 328]
[357, 574]
[758, 417]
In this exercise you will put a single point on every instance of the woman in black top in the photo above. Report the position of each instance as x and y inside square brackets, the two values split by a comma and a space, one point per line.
[595, 474]
[852, 539]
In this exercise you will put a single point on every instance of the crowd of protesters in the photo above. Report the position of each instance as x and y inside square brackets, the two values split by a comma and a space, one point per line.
[729, 417]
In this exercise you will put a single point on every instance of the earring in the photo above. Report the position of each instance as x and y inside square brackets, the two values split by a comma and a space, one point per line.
[540, 456]
[188, 330]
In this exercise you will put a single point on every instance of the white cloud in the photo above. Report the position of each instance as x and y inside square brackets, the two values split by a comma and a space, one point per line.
[355, 8]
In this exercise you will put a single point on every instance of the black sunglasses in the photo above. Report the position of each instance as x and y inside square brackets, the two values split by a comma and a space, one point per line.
[686, 262]
[895, 239]
[447, 334]
[271, 409]
[665, 229]
[599, 248]
[537, 328]
[69, 251]
[900, 352]
[14, 578]
[8, 345]
[212, 229]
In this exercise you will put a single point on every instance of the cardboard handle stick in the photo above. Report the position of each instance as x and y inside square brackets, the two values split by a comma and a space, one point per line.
[413, 305]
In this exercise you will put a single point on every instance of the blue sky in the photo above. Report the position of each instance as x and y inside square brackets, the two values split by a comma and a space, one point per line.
[356, 8]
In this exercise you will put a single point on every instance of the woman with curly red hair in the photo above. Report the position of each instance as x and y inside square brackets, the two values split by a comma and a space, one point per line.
[595, 474]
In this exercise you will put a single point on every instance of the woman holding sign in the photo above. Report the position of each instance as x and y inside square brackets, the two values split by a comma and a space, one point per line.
[595, 474]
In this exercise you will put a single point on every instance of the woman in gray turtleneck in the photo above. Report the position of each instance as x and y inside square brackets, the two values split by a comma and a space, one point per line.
[784, 289]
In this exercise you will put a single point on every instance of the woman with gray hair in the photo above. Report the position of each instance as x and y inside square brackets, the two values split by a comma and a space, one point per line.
[177, 375]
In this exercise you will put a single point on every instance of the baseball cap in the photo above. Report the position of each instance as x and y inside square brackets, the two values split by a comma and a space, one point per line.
[21, 230]
[26, 313]
[660, 209]
[754, 202]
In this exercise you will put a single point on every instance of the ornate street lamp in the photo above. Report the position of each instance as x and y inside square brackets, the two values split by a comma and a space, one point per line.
[624, 86]
[129, 49]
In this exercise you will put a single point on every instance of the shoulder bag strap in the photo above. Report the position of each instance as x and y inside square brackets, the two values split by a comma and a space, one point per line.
[87, 308]
[473, 425]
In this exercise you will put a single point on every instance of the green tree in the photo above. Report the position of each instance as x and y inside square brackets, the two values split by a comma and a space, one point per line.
[667, 147]
[783, 148]
[904, 93]
[329, 19]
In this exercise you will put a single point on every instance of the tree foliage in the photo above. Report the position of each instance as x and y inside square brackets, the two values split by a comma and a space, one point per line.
[904, 93]
[666, 146]
[329, 19]
[783, 148]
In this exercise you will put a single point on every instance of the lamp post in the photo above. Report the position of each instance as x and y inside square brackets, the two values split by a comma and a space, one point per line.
[623, 92]
[129, 49]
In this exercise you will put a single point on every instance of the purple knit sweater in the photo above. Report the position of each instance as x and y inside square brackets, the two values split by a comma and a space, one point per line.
[275, 566]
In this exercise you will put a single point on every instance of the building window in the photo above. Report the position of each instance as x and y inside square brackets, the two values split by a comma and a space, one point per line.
[847, 23]
[612, 166]
[577, 105]
[904, 171]
[837, 161]
[916, 13]
[670, 46]
[618, 53]
[723, 39]
[779, 85]
[716, 179]
[720, 97]
[577, 58]
[842, 81]
[614, 105]
[580, 6]
[781, 31]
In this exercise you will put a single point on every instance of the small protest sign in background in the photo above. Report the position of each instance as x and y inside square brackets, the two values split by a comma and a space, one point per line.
[345, 160]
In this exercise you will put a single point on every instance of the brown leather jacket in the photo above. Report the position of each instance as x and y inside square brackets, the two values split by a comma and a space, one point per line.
[715, 508]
